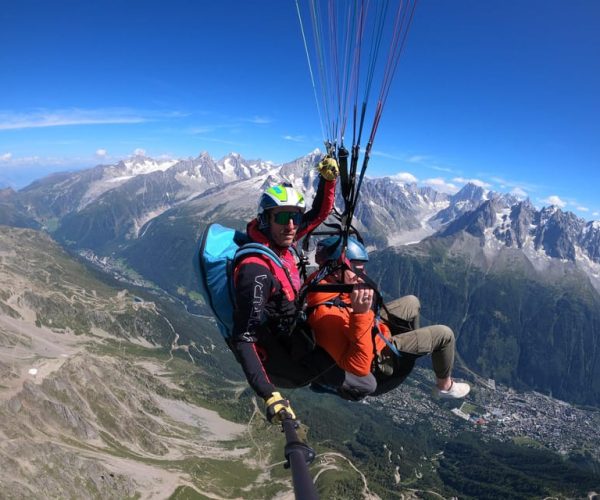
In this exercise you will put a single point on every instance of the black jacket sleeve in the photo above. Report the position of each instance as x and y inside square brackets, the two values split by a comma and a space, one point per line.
[253, 287]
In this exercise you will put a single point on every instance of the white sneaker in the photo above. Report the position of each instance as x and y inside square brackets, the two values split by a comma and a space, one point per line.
[457, 390]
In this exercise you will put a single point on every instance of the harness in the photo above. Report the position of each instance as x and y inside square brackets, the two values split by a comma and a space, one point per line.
[338, 301]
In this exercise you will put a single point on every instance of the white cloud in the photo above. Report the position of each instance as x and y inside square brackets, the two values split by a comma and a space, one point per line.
[519, 192]
[406, 177]
[101, 153]
[596, 214]
[260, 120]
[417, 159]
[39, 161]
[441, 169]
[139, 152]
[477, 182]
[582, 209]
[6, 157]
[201, 130]
[294, 138]
[521, 185]
[63, 117]
[382, 154]
[555, 200]
[165, 156]
[441, 185]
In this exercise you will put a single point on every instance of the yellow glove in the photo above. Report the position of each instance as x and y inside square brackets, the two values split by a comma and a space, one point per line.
[328, 168]
[278, 409]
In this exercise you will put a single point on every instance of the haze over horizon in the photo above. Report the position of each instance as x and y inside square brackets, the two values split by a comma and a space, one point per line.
[500, 93]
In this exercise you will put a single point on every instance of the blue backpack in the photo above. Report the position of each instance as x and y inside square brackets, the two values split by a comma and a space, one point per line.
[220, 247]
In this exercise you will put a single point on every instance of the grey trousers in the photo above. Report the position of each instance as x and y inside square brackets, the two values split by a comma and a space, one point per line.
[356, 387]
[437, 340]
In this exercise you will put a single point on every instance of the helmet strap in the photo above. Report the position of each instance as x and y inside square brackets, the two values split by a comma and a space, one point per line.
[263, 222]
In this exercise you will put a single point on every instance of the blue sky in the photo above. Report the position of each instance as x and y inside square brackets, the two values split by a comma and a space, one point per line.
[502, 92]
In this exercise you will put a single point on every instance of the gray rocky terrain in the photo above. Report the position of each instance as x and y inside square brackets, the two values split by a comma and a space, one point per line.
[92, 403]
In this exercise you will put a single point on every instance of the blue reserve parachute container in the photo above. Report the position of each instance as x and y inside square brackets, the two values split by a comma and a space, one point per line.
[218, 250]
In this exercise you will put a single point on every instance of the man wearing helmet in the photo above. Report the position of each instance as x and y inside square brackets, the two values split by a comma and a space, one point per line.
[270, 349]
[345, 326]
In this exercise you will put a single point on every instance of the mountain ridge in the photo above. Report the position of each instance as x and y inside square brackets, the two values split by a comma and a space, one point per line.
[107, 210]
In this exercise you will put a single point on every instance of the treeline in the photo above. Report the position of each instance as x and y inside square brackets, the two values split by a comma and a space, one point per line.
[467, 468]
[509, 471]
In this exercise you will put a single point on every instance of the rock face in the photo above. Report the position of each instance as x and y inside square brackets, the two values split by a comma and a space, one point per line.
[550, 231]
[467, 199]
[12, 211]
[516, 233]
[590, 240]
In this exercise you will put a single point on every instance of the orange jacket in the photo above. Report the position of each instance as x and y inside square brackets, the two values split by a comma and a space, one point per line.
[346, 336]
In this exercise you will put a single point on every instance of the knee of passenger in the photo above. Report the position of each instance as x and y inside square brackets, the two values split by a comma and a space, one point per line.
[413, 303]
[446, 334]
[406, 307]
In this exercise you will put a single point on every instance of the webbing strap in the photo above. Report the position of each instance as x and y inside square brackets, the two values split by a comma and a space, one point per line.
[254, 248]
[260, 249]
[390, 344]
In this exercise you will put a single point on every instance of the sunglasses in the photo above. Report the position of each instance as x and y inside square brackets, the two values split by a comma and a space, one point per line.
[358, 267]
[284, 218]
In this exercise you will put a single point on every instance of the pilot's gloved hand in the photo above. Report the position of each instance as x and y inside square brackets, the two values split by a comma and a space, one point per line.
[278, 408]
[328, 168]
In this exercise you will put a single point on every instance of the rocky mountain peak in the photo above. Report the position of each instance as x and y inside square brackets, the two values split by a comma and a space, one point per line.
[475, 222]
[300, 166]
[234, 167]
[469, 193]
[7, 192]
[208, 170]
[466, 200]
[555, 233]
[141, 164]
[430, 194]
[590, 240]
[558, 232]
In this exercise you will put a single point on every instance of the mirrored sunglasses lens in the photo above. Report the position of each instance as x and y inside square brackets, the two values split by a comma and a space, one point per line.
[285, 217]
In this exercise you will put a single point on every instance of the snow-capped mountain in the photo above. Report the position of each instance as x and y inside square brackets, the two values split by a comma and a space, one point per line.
[109, 202]
[557, 234]
[392, 213]
[104, 207]
[541, 235]
[65, 193]
[114, 175]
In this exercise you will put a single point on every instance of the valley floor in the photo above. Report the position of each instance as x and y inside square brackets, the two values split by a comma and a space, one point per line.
[501, 413]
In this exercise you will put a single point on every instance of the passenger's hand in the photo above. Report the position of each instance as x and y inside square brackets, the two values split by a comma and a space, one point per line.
[328, 168]
[361, 298]
[278, 409]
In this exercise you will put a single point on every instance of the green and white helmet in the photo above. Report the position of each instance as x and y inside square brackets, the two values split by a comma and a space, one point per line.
[281, 195]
